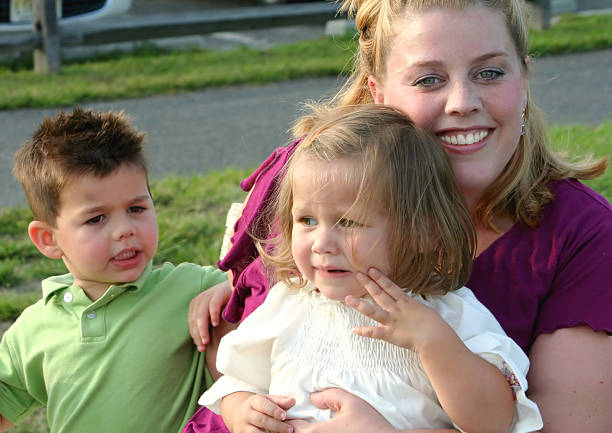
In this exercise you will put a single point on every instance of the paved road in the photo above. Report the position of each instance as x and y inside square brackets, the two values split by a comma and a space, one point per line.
[208, 130]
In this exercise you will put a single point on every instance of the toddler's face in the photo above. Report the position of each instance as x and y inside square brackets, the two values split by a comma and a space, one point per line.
[106, 228]
[328, 245]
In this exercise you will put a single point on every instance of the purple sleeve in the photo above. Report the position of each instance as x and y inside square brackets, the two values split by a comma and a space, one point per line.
[581, 292]
[557, 275]
[250, 280]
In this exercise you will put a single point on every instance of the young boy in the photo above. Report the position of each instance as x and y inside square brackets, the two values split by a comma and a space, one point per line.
[108, 348]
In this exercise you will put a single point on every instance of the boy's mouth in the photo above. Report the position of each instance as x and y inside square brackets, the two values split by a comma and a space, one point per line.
[126, 254]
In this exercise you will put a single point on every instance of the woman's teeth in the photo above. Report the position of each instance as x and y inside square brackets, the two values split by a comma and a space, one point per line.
[461, 139]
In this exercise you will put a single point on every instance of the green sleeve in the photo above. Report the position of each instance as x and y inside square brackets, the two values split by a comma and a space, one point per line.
[15, 400]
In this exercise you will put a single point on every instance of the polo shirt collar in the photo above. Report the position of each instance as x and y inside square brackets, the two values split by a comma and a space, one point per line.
[52, 285]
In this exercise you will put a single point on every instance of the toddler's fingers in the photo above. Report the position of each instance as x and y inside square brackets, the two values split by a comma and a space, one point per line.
[380, 296]
[388, 286]
[367, 309]
[268, 415]
[376, 332]
[282, 401]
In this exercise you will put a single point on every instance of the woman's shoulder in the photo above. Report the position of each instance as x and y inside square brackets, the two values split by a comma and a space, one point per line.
[569, 193]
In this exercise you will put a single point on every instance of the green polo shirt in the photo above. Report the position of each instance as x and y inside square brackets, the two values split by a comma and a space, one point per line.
[125, 363]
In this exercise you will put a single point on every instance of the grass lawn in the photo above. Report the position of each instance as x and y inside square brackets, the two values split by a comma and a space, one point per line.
[150, 71]
[191, 214]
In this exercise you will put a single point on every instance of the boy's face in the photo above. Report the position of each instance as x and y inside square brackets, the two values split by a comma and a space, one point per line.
[106, 228]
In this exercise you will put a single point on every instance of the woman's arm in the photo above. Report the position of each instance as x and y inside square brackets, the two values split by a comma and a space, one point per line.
[570, 379]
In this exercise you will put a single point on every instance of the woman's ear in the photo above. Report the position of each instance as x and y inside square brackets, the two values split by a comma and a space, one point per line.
[375, 90]
[43, 237]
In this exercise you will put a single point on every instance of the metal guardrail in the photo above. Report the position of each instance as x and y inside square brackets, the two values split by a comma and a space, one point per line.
[126, 29]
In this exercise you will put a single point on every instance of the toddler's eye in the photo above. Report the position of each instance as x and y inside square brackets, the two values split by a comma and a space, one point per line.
[95, 220]
[347, 223]
[308, 221]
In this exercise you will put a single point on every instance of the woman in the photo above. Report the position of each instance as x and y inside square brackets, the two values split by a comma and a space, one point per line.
[459, 68]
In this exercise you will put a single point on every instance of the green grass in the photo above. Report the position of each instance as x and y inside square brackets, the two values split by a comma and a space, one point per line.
[574, 33]
[191, 215]
[149, 71]
[581, 140]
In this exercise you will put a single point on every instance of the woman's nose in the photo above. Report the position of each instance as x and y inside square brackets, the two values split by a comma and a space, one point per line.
[463, 99]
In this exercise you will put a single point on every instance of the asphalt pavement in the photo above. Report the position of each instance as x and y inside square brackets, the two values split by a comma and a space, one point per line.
[239, 126]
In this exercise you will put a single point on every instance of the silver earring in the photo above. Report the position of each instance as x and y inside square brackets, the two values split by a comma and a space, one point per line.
[523, 123]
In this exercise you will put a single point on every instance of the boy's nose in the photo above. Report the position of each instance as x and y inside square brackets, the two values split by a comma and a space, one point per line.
[123, 229]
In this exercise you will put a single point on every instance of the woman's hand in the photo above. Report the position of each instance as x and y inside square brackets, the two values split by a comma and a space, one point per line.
[353, 415]
[204, 310]
[403, 321]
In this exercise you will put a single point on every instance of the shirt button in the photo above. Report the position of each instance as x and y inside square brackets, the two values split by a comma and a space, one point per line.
[91, 315]
[67, 297]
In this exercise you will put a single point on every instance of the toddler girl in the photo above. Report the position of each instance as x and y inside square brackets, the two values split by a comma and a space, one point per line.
[368, 192]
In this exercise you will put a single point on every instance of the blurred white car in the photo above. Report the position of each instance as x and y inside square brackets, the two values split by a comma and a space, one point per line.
[15, 15]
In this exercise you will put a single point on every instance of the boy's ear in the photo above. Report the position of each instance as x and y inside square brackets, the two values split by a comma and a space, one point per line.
[42, 236]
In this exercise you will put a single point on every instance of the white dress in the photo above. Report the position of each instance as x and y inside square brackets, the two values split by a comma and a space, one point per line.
[298, 342]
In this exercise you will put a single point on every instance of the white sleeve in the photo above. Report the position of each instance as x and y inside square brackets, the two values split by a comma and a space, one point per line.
[484, 336]
[245, 354]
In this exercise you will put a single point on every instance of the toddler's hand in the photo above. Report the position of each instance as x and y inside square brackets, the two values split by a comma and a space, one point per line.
[403, 321]
[204, 310]
[262, 412]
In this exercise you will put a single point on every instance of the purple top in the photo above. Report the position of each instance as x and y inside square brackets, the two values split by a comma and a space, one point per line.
[533, 280]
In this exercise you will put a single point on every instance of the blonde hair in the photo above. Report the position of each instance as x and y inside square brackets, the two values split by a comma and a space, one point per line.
[521, 190]
[400, 169]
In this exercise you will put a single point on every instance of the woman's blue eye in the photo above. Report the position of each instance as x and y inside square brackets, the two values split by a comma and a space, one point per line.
[95, 220]
[490, 74]
[427, 81]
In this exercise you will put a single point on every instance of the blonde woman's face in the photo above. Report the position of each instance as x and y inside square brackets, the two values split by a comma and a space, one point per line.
[330, 242]
[457, 74]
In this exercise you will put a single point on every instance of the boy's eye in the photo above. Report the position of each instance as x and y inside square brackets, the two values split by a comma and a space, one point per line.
[136, 209]
[308, 221]
[95, 220]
